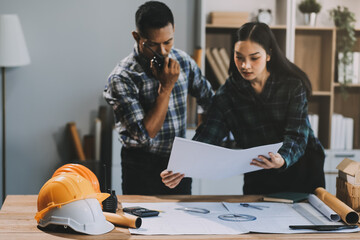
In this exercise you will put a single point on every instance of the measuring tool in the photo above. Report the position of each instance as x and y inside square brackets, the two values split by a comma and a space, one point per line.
[308, 215]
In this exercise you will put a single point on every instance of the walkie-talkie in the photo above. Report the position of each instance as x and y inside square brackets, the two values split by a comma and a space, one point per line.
[157, 60]
[109, 204]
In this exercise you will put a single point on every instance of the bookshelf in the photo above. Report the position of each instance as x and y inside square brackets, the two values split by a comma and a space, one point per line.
[311, 48]
[315, 54]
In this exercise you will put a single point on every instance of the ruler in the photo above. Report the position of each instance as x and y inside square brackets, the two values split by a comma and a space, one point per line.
[308, 215]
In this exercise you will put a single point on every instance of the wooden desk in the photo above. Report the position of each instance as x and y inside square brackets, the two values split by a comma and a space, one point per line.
[18, 211]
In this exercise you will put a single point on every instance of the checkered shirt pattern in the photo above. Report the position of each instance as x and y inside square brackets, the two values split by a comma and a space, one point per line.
[132, 91]
[278, 114]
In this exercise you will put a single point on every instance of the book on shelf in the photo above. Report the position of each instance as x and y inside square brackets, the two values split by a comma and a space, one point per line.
[356, 68]
[220, 78]
[222, 65]
[350, 72]
[229, 18]
[76, 141]
[285, 197]
[333, 130]
[225, 57]
[342, 132]
[349, 122]
[314, 123]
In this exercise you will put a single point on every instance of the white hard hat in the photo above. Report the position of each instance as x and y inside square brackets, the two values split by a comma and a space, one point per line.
[84, 216]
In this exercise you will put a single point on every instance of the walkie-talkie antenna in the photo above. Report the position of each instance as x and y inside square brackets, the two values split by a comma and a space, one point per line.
[105, 176]
[155, 53]
[109, 204]
[157, 60]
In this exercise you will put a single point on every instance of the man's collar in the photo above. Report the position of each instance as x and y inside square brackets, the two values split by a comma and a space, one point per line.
[143, 61]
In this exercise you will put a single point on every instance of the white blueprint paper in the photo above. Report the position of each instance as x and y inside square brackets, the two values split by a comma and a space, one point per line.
[178, 222]
[277, 217]
[274, 218]
[323, 208]
[201, 160]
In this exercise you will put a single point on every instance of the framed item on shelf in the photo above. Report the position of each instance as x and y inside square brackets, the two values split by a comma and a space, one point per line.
[264, 16]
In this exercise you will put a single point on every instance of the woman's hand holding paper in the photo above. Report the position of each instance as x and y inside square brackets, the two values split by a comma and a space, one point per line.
[275, 161]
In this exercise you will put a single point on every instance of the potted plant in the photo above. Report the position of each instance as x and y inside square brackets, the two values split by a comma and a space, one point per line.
[310, 9]
[345, 40]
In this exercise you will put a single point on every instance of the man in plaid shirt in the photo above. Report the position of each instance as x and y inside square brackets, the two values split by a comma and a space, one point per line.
[149, 102]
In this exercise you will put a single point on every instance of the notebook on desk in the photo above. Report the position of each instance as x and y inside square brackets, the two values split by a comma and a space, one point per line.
[286, 197]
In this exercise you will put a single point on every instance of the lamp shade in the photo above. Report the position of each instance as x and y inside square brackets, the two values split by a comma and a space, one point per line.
[13, 49]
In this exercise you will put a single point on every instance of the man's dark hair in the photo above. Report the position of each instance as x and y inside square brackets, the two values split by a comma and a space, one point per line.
[152, 15]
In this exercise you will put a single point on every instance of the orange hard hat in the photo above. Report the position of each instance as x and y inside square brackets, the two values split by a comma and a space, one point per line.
[63, 189]
[82, 171]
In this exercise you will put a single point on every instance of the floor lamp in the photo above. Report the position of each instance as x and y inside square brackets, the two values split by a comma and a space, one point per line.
[13, 53]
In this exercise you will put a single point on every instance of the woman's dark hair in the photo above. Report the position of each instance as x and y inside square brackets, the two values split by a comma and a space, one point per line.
[152, 14]
[261, 34]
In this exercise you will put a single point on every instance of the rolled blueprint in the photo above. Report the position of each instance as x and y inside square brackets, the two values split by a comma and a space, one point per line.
[323, 208]
[346, 213]
[124, 220]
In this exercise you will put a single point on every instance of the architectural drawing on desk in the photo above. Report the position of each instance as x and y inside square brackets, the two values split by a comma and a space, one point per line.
[272, 218]
[342, 132]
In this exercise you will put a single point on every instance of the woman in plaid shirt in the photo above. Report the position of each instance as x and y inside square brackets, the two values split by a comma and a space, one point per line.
[265, 101]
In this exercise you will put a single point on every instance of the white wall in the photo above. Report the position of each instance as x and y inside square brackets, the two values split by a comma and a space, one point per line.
[73, 45]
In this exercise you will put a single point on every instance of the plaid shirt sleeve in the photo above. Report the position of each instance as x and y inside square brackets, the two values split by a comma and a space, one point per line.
[199, 87]
[214, 129]
[297, 127]
[123, 95]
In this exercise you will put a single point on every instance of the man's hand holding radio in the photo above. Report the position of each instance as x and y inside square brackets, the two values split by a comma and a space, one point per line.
[168, 75]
